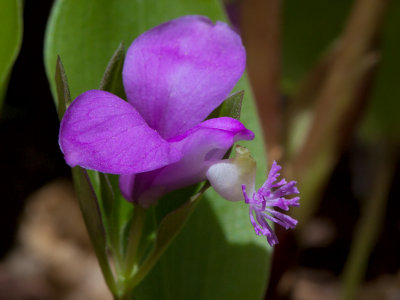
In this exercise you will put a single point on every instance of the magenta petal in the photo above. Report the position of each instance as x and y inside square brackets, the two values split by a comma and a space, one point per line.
[201, 146]
[177, 73]
[103, 132]
[126, 185]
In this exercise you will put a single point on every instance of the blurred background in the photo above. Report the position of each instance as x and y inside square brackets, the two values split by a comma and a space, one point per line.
[326, 79]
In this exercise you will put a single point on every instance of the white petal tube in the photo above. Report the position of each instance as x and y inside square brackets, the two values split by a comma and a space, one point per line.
[228, 176]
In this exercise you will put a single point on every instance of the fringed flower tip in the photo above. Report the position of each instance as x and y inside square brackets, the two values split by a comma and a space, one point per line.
[234, 180]
[270, 196]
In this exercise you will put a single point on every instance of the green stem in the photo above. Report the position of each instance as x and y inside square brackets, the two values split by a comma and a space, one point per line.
[126, 296]
[90, 209]
[368, 228]
[115, 239]
[116, 250]
[144, 269]
[107, 274]
[135, 234]
[126, 269]
[168, 229]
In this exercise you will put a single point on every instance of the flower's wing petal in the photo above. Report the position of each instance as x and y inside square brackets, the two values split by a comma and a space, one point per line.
[103, 132]
[126, 185]
[201, 146]
[177, 73]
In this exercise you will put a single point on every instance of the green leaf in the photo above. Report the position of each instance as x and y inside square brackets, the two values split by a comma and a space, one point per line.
[10, 39]
[217, 255]
[86, 33]
[231, 267]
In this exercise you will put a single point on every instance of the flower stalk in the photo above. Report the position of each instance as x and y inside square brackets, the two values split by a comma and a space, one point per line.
[135, 234]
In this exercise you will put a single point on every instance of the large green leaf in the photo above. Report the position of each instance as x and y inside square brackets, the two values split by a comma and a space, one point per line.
[10, 39]
[217, 255]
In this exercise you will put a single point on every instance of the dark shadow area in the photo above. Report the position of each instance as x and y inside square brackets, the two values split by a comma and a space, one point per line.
[30, 155]
[321, 260]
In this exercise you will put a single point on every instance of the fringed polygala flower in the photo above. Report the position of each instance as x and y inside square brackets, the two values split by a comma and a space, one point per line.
[174, 76]
[234, 179]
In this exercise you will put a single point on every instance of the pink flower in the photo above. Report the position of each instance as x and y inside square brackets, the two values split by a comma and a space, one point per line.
[174, 76]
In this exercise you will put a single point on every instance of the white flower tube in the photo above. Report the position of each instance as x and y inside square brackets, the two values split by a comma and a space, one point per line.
[228, 176]
[234, 180]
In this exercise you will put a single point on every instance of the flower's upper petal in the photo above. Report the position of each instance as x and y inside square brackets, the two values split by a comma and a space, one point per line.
[177, 73]
[103, 132]
[201, 146]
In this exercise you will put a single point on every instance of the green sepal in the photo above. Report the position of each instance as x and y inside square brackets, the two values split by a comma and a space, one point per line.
[112, 78]
[91, 214]
[63, 94]
[88, 200]
[231, 107]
